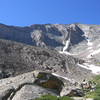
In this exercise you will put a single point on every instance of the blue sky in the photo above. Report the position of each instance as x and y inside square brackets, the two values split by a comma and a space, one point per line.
[27, 12]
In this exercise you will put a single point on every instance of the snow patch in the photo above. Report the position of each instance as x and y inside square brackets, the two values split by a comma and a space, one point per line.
[89, 43]
[93, 52]
[70, 80]
[66, 45]
[96, 52]
[64, 51]
[89, 48]
[93, 68]
[99, 45]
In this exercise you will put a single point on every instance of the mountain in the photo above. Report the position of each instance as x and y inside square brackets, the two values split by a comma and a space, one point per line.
[66, 52]
[73, 38]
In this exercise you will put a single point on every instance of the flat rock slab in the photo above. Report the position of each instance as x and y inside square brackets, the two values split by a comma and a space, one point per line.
[30, 92]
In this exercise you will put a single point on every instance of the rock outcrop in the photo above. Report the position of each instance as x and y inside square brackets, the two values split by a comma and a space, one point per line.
[31, 92]
[28, 86]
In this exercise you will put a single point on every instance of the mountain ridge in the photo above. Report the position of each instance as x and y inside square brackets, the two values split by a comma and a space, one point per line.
[54, 36]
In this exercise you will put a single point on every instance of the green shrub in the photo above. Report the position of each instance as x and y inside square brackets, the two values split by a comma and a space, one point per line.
[47, 97]
[65, 98]
[95, 94]
[50, 97]
[97, 98]
[41, 75]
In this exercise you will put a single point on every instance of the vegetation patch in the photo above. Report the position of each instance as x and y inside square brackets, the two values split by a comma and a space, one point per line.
[96, 93]
[50, 97]
[47, 80]
[41, 75]
[51, 84]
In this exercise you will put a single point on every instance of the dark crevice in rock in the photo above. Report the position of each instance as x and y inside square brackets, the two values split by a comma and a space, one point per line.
[8, 94]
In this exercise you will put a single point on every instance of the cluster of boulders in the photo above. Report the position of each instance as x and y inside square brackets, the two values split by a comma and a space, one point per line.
[88, 85]
[34, 84]
[29, 86]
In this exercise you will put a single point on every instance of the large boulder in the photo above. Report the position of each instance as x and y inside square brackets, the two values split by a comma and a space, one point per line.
[30, 92]
[76, 92]
[9, 86]
[29, 85]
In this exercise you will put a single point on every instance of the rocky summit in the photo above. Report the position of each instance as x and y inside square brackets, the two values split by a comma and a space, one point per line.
[34, 59]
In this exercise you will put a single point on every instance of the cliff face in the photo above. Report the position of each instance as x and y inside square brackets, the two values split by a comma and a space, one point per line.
[73, 38]
[53, 35]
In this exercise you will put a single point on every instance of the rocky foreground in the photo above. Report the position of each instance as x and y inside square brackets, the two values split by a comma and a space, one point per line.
[34, 84]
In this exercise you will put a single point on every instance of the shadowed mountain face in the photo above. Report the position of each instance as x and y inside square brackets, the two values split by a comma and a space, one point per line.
[16, 33]
[43, 35]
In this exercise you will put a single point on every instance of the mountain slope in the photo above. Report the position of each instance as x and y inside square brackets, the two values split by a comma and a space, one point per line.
[78, 39]
[16, 58]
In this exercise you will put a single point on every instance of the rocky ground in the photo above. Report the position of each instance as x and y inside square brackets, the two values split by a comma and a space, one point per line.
[16, 58]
